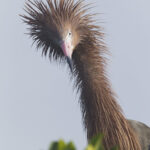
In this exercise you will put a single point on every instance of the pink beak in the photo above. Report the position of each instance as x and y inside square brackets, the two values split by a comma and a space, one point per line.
[67, 50]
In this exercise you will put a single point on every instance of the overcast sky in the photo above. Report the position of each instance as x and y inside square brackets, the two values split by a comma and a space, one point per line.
[37, 102]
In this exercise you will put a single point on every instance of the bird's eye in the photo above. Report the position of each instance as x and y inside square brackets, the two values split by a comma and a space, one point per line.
[69, 33]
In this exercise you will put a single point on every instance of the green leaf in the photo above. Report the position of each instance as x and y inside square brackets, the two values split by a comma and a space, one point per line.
[96, 139]
[61, 145]
[98, 145]
[96, 142]
[70, 146]
[54, 146]
[90, 147]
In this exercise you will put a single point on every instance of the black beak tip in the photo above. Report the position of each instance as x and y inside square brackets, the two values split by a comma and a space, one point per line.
[70, 63]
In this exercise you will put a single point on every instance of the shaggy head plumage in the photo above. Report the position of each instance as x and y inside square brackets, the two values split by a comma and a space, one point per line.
[60, 27]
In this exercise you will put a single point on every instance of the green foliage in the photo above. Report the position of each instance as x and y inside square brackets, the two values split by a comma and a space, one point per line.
[94, 144]
[61, 145]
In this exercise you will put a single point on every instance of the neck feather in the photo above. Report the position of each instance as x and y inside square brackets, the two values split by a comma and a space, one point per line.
[101, 113]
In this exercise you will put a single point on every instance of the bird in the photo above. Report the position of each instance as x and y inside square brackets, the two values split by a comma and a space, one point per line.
[66, 31]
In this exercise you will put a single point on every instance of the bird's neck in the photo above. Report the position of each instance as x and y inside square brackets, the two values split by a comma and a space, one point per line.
[101, 113]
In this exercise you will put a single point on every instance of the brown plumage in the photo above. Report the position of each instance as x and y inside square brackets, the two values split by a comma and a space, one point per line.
[63, 28]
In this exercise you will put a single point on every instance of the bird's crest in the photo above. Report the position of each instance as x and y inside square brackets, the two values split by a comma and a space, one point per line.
[46, 20]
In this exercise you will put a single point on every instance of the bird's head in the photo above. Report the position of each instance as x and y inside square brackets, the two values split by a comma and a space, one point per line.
[59, 26]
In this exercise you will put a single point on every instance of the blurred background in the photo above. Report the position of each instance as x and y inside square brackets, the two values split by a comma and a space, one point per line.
[37, 101]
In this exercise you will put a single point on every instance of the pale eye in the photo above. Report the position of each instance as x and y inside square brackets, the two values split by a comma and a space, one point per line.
[69, 33]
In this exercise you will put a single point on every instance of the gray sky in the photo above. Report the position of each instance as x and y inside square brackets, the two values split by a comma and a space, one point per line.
[37, 102]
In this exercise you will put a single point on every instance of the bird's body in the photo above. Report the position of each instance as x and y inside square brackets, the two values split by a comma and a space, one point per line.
[64, 29]
[143, 131]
